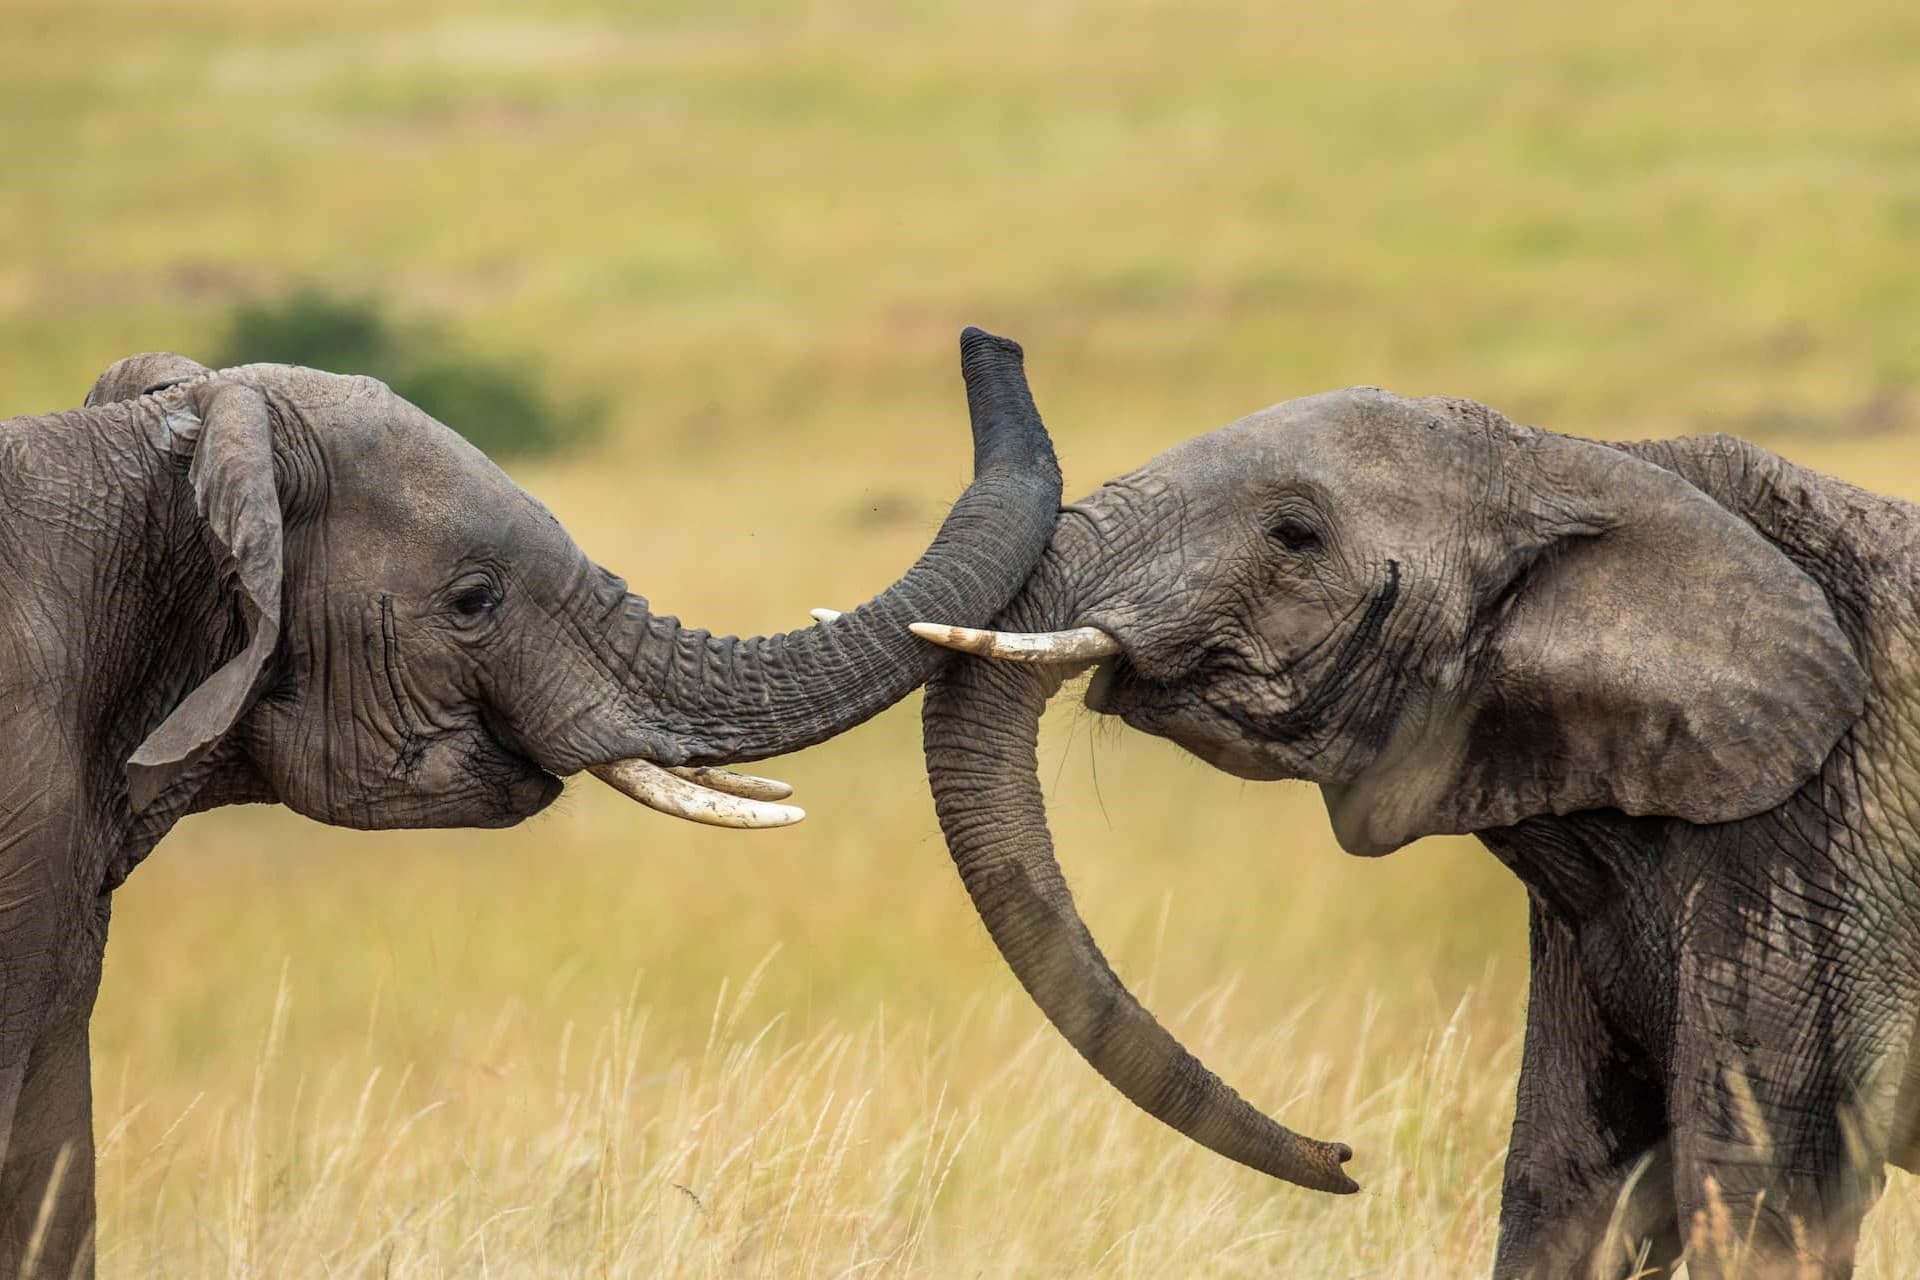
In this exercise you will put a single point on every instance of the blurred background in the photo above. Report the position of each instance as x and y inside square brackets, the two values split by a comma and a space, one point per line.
[694, 272]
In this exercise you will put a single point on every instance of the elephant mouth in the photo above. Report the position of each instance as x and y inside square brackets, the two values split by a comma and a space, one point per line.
[529, 794]
[1119, 689]
[526, 787]
[1145, 706]
[1190, 701]
[1181, 711]
[1148, 702]
[707, 795]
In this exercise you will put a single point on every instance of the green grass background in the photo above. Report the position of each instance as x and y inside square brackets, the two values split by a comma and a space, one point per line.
[609, 1044]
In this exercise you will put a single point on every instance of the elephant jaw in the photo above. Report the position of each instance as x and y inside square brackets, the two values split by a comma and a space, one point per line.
[712, 797]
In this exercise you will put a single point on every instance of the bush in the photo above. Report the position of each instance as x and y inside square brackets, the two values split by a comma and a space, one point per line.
[502, 406]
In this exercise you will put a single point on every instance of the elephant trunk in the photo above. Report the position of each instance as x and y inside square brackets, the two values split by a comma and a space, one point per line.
[725, 699]
[981, 722]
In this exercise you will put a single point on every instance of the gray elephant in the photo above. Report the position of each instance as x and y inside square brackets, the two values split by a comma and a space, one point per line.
[1672, 685]
[273, 584]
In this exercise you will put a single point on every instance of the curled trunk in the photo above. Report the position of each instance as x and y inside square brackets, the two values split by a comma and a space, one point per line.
[982, 728]
[708, 699]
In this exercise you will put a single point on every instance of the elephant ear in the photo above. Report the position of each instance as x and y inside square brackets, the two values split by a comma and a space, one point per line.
[233, 489]
[1644, 649]
[142, 375]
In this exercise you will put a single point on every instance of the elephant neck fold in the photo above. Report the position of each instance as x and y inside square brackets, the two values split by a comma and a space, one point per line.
[121, 605]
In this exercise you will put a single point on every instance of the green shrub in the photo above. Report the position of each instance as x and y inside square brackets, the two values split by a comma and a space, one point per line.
[502, 406]
[317, 330]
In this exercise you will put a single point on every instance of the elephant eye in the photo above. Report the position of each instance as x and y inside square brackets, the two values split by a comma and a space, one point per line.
[476, 602]
[1294, 534]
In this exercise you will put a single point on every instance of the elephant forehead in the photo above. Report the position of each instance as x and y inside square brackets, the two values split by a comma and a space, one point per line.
[409, 481]
[321, 397]
[1361, 444]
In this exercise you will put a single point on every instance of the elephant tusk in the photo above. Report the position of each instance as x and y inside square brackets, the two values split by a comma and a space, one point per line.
[685, 798]
[744, 785]
[824, 615]
[1082, 644]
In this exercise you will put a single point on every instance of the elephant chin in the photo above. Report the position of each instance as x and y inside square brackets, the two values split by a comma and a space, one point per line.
[1117, 690]
[494, 787]
[462, 779]
[527, 795]
[523, 787]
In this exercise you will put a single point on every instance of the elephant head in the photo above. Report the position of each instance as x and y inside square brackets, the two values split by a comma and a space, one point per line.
[400, 636]
[1448, 622]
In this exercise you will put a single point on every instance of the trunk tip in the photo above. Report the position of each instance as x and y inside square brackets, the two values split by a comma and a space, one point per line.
[1007, 431]
[1329, 1156]
[976, 342]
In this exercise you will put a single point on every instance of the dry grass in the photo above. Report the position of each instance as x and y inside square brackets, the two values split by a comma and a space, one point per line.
[755, 229]
[635, 1094]
[769, 1151]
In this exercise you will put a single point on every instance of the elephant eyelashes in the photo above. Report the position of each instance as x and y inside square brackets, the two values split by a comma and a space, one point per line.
[1294, 534]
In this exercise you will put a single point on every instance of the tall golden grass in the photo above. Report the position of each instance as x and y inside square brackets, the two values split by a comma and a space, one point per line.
[607, 1044]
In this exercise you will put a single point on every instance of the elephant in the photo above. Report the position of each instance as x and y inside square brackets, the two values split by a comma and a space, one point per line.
[269, 584]
[1673, 686]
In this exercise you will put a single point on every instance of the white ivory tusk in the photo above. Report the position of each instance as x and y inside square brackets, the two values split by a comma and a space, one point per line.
[1082, 644]
[657, 789]
[744, 785]
[824, 615]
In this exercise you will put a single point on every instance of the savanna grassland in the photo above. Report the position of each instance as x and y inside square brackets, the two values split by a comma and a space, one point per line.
[609, 1044]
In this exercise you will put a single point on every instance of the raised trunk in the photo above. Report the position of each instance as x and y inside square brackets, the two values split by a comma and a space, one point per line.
[720, 699]
[982, 726]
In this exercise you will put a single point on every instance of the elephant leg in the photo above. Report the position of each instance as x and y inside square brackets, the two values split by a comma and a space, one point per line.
[1771, 1180]
[1790, 1054]
[46, 1177]
[1588, 1185]
[1782, 1121]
